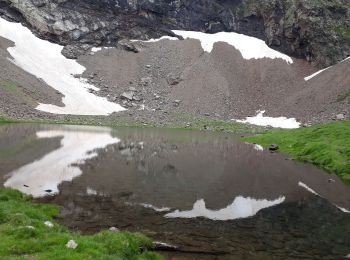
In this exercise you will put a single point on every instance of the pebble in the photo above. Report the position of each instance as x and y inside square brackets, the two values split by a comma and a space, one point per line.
[48, 224]
[114, 229]
[71, 244]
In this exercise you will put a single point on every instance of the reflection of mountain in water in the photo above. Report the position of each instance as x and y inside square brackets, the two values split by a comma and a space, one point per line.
[44, 175]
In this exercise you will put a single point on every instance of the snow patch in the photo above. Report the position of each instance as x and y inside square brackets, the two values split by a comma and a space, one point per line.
[250, 47]
[240, 208]
[77, 145]
[44, 60]
[277, 122]
[159, 39]
[320, 71]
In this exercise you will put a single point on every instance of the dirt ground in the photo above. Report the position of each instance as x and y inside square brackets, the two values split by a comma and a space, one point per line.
[170, 78]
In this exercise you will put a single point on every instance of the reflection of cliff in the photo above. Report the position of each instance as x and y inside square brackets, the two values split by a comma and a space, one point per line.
[43, 176]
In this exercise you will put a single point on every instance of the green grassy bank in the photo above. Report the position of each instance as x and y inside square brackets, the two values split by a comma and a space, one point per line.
[23, 235]
[327, 146]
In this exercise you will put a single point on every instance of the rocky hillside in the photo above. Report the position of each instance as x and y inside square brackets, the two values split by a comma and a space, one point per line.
[318, 31]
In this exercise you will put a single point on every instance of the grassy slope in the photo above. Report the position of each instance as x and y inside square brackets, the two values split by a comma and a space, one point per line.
[327, 146]
[18, 241]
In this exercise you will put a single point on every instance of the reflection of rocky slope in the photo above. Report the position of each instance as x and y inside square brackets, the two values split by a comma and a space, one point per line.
[315, 30]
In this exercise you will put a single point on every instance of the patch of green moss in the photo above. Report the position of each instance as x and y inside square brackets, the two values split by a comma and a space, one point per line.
[343, 31]
[343, 96]
[8, 86]
[25, 236]
[327, 146]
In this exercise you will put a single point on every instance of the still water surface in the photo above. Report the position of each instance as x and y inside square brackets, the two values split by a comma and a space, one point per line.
[211, 194]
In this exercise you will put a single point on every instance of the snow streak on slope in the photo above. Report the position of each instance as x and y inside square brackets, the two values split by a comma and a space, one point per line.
[44, 60]
[250, 47]
[77, 145]
[240, 208]
[320, 71]
[277, 122]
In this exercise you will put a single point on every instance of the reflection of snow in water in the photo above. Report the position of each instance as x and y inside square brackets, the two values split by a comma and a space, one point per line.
[240, 208]
[303, 185]
[56, 167]
[44, 60]
[277, 122]
[150, 206]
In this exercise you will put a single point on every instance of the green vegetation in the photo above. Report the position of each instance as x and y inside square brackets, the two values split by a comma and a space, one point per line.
[327, 146]
[4, 120]
[25, 236]
[343, 96]
[8, 86]
[343, 31]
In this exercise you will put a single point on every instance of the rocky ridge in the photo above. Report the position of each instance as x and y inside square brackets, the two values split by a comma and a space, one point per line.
[318, 31]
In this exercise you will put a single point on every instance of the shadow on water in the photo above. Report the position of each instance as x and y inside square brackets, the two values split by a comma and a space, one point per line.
[209, 194]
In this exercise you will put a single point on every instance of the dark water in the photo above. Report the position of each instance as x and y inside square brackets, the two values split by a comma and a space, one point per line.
[213, 196]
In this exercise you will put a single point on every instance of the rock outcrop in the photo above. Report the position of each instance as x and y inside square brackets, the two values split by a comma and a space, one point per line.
[318, 31]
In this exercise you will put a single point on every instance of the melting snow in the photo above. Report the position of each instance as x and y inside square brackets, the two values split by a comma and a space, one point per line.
[250, 47]
[278, 122]
[44, 60]
[240, 208]
[320, 71]
[159, 39]
[76, 146]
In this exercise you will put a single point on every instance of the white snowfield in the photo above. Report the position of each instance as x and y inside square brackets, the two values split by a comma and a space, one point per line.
[77, 145]
[45, 61]
[250, 47]
[277, 122]
[159, 39]
[240, 208]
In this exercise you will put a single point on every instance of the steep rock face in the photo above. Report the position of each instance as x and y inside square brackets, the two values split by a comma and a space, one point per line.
[318, 31]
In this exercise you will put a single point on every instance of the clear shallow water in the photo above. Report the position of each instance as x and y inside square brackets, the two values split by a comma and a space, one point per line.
[177, 186]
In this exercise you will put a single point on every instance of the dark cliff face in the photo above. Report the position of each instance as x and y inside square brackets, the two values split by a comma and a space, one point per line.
[318, 31]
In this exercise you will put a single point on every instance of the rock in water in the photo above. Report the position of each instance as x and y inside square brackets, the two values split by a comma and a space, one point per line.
[273, 147]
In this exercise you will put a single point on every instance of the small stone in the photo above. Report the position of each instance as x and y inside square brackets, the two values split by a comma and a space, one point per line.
[48, 224]
[331, 181]
[129, 95]
[132, 89]
[177, 102]
[137, 98]
[48, 191]
[156, 96]
[146, 81]
[114, 229]
[148, 66]
[273, 147]
[340, 117]
[207, 114]
[71, 244]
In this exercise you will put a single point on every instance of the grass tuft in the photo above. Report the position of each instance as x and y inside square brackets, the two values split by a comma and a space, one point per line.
[25, 236]
[327, 146]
